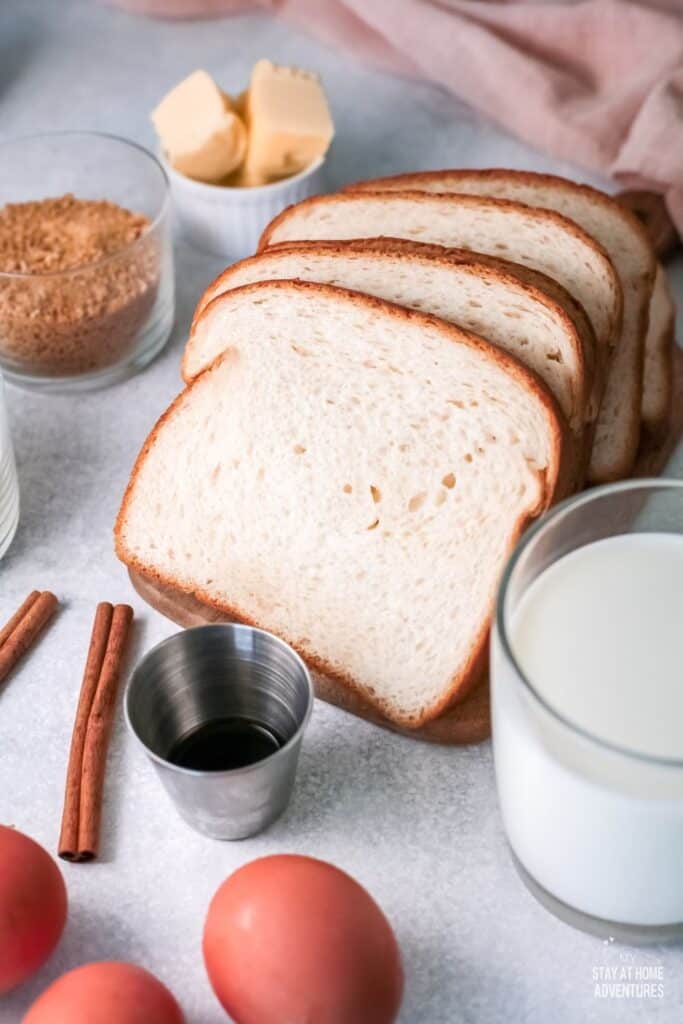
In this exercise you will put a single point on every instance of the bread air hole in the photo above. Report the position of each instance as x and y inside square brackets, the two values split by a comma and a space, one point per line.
[300, 351]
[348, 489]
[376, 494]
[456, 402]
[417, 501]
[449, 481]
[299, 449]
[554, 357]
[374, 525]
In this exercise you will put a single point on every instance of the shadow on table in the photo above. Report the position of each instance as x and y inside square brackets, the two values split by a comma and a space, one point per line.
[352, 774]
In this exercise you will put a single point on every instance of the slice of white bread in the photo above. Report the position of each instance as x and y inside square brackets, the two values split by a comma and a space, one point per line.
[351, 475]
[548, 285]
[541, 240]
[659, 342]
[627, 244]
[515, 316]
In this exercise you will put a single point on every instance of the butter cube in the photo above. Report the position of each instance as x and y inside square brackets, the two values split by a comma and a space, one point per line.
[202, 135]
[288, 123]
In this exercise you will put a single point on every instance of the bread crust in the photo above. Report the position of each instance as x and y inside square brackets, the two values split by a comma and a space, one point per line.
[596, 365]
[528, 177]
[536, 213]
[658, 421]
[602, 348]
[564, 455]
[659, 352]
[620, 465]
[410, 255]
[554, 486]
[467, 722]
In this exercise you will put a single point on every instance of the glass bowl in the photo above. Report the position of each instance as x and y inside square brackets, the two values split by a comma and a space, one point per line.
[95, 323]
[9, 487]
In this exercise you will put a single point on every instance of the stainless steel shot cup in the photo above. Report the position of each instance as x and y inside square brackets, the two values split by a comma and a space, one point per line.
[217, 672]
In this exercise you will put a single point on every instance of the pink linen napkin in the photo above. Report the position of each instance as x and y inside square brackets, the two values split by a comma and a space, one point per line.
[596, 82]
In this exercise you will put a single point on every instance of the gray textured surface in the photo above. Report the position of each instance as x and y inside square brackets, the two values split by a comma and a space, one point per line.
[418, 825]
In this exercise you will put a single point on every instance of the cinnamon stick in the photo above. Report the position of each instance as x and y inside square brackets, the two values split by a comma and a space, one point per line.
[81, 819]
[12, 623]
[20, 632]
[68, 839]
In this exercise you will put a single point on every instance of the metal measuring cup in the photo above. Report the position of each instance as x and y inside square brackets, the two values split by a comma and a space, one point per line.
[221, 672]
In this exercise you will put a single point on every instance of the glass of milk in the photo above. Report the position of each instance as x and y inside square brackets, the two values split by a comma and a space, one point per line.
[9, 488]
[587, 692]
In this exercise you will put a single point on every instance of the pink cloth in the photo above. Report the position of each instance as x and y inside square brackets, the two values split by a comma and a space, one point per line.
[596, 82]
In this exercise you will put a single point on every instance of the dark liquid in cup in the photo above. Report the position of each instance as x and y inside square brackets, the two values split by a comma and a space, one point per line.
[225, 743]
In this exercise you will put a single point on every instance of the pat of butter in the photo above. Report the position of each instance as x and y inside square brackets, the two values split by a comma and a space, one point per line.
[202, 135]
[288, 123]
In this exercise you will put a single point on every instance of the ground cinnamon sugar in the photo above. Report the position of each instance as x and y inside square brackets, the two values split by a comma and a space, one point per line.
[87, 277]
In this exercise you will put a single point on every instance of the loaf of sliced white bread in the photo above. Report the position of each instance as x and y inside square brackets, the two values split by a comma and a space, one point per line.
[625, 241]
[542, 240]
[351, 475]
[515, 316]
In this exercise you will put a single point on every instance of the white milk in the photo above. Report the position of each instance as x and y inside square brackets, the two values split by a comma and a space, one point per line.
[599, 636]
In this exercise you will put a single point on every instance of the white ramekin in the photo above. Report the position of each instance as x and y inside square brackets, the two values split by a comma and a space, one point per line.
[228, 222]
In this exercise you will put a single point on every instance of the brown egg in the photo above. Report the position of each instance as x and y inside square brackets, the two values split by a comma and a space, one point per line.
[106, 993]
[32, 907]
[293, 940]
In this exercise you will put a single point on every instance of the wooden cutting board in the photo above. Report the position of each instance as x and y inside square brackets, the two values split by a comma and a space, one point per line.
[469, 721]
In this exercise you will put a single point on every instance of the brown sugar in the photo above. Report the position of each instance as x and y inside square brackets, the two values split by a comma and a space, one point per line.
[78, 282]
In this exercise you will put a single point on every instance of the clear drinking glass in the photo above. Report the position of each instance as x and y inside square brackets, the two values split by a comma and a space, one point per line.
[9, 487]
[596, 830]
[90, 325]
